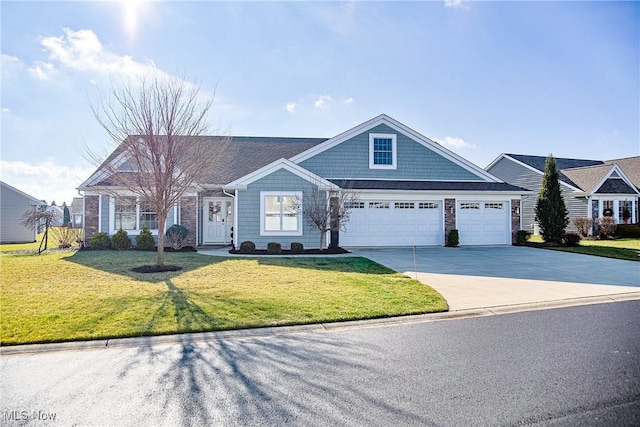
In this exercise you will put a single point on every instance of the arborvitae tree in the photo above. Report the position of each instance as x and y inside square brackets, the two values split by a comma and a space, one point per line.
[551, 211]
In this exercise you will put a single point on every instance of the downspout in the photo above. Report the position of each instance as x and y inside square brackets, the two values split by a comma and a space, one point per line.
[235, 216]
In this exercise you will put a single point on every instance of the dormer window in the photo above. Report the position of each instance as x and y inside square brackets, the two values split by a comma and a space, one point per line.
[382, 151]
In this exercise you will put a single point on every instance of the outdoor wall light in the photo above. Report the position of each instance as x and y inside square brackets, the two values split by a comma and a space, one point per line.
[451, 209]
[516, 210]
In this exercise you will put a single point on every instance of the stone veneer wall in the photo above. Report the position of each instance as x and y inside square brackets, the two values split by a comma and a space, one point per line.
[515, 218]
[91, 217]
[189, 217]
[449, 217]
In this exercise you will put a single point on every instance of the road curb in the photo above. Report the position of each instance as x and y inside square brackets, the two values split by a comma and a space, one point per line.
[192, 338]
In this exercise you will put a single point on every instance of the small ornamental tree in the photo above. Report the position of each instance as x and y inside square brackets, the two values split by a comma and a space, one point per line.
[37, 217]
[551, 211]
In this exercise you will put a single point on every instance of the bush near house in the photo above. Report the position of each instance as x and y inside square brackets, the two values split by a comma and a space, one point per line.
[522, 236]
[629, 231]
[274, 248]
[247, 246]
[177, 236]
[606, 226]
[453, 239]
[571, 239]
[121, 240]
[297, 248]
[144, 240]
[583, 225]
[100, 241]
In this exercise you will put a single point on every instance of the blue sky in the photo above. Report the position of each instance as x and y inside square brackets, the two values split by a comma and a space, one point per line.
[481, 78]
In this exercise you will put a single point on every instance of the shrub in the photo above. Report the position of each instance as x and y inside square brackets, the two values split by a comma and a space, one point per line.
[628, 231]
[145, 241]
[177, 236]
[274, 248]
[522, 236]
[453, 239]
[67, 236]
[247, 246]
[571, 239]
[583, 225]
[100, 241]
[606, 226]
[121, 240]
[297, 248]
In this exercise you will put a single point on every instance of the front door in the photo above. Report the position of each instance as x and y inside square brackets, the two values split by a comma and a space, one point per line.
[218, 220]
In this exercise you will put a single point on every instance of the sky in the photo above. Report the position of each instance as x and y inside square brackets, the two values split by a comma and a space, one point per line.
[481, 78]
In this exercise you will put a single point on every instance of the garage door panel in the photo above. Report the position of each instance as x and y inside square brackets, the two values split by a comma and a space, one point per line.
[483, 223]
[403, 222]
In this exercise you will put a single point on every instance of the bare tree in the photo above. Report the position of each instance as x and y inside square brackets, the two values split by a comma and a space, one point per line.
[155, 122]
[327, 210]
[37, 217]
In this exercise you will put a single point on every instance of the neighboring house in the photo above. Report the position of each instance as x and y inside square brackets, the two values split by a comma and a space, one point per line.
[76, 210]
[412, 191]
[590, 188]
[59, 215]
[13, 205]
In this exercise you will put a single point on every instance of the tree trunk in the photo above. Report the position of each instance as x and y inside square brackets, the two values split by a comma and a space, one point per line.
[162, 219]
[322, 235]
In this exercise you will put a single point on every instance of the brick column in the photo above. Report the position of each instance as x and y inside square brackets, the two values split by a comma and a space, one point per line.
[449, 217]
[189, 217]
[516, 212]
[91, 217]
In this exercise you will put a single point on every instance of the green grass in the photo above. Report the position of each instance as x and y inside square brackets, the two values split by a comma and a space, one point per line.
[93, 294]
[33, 246]
[627, 249]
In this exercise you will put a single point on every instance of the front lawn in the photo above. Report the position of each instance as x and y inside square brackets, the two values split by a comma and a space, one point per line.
[93, 294]
[627, 249]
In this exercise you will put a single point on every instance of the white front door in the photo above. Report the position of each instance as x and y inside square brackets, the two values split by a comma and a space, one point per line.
[217, 219]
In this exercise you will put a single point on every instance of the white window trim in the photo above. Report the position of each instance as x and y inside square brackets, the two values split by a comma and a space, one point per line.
[112, 218]
[263, 195]
[394, 150]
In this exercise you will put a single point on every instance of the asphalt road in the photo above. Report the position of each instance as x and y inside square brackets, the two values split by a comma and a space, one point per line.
[570, 366]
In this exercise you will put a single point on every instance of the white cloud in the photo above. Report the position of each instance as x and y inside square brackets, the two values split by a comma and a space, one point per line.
[348, 101]
[455, 143]
[45, 180]
[455, 3]
[9, 59]
[41, 70]
[5, 110]
[82, 51]
[323, 101]
[291, 107]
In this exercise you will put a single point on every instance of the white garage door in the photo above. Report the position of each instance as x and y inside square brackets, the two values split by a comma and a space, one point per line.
[394, 223]
[483, 223]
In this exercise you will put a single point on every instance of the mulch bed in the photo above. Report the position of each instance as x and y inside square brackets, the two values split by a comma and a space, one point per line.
[329, 251]
[156, 268]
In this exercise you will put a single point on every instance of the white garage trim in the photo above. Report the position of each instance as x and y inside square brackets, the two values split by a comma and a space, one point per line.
[484, 222]
[395, 221]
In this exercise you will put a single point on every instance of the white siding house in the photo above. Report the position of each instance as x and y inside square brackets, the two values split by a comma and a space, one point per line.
[13, 204]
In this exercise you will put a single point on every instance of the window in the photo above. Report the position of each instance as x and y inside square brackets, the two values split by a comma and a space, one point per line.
[130, 215]
[403, 205]
[469, 205]
[493, 205]
[148, 218]
[382, 151]
[354, 205]
[378, 205]
[428, 205]
[125, 213]
[280, 214]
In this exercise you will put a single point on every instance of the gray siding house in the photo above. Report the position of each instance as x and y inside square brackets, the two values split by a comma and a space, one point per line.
[13, 204]
[589, 187]
[412, 191]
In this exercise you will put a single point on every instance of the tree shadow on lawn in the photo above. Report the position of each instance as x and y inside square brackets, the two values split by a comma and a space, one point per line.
[121, 263]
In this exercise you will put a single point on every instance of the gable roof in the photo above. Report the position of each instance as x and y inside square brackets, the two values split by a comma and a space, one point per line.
[32, 200]
[241, 184]
[538, 163]
[630, 167]
[383, 119]
[241, 156]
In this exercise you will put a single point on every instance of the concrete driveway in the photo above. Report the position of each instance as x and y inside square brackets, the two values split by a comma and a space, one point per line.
[476, 277]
